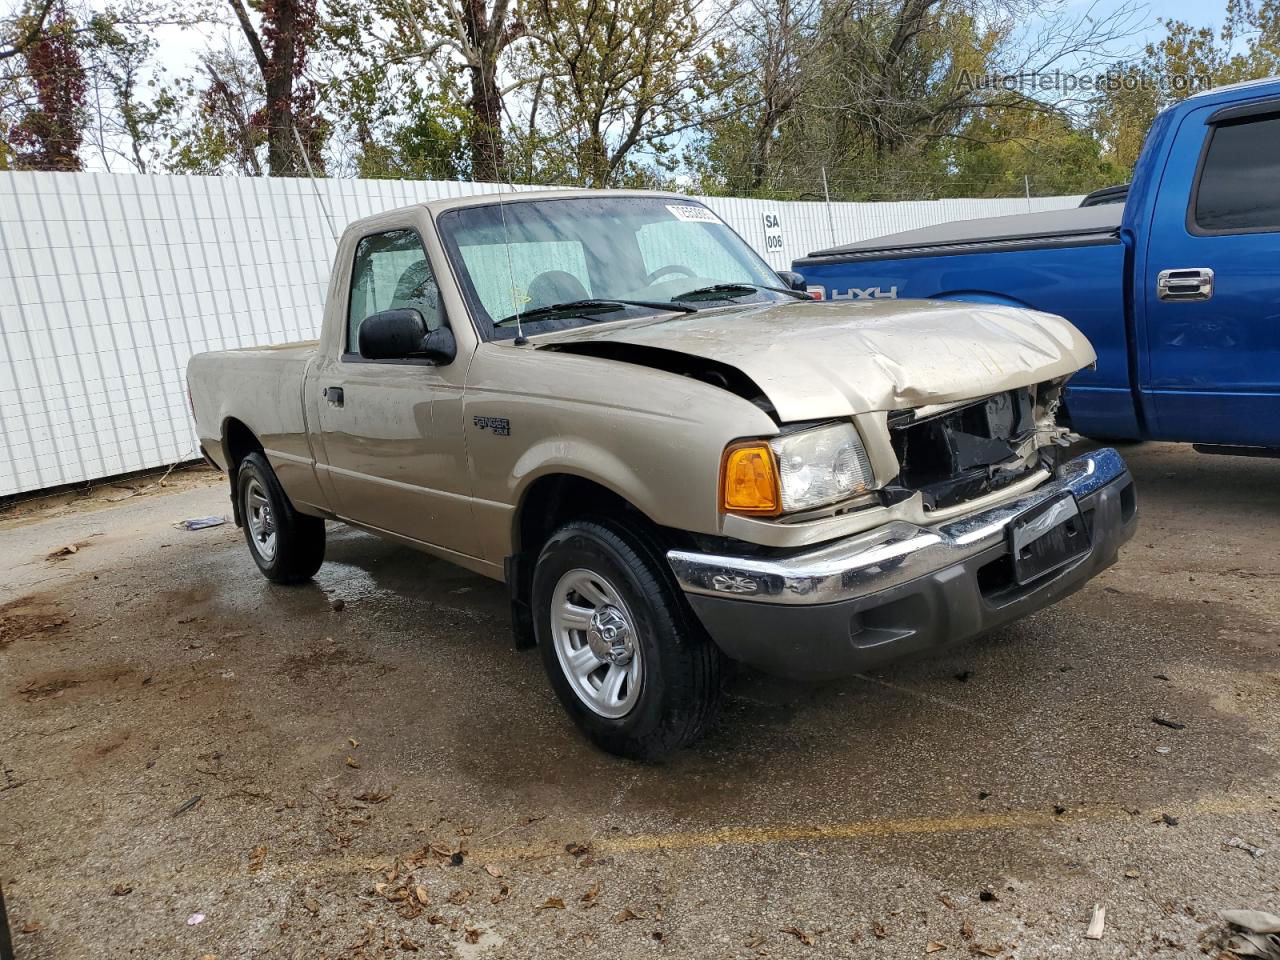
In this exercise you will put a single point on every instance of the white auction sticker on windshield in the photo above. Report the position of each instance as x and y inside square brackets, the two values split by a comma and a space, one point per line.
[692, 214]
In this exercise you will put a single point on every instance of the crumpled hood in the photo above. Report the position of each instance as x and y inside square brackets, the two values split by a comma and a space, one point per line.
[839, 358]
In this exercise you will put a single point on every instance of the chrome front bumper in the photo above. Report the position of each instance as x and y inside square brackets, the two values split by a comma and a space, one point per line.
[885, 557]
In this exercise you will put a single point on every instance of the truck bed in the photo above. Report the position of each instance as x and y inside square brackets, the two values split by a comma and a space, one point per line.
[263, 386]
[1077, 226]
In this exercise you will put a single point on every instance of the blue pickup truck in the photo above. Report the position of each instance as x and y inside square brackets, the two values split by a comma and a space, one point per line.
[1176, 281]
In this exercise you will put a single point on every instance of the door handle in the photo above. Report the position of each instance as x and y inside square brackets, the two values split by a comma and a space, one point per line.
[1185, 283]
[334, 395]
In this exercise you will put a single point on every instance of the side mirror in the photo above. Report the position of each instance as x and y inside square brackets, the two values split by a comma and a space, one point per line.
[793, 280]
[403, 334]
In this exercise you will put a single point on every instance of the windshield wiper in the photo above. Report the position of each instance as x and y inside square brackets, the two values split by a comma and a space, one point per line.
[582, 308]
[739, 289]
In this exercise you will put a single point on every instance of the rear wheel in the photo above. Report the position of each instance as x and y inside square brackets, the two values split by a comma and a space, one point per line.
[287, 546]
[633, 669]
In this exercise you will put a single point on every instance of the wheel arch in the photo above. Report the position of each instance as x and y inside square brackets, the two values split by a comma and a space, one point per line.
[547, 503]
[238, 441]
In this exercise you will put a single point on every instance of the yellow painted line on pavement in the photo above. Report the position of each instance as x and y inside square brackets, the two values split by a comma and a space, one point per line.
[751, 836]
[855, 829]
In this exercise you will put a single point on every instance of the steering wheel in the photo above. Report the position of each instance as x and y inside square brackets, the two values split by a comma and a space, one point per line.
[661, 272]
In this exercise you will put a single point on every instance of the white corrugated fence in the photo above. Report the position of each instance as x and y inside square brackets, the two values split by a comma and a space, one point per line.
[109, 283]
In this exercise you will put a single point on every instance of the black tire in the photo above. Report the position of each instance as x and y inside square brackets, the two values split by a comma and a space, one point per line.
[680, 693]
[299, 538]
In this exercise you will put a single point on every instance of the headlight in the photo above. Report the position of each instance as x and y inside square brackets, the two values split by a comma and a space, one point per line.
[821, 466]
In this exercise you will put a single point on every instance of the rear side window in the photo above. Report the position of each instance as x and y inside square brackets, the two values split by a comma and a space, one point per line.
[391, 272]
[1239, 187]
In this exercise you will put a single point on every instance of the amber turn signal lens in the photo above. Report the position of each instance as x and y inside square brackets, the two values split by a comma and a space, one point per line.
[749, 480]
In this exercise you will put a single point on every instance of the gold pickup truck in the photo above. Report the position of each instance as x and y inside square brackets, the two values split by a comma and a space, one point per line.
[670, 454]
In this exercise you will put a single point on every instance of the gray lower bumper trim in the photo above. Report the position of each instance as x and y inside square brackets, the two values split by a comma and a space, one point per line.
[882, 558]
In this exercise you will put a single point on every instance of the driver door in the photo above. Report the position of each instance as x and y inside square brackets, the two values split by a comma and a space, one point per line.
[392, 429]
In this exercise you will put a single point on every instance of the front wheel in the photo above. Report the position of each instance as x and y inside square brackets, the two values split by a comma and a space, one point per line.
[633, 669]
[287, 546]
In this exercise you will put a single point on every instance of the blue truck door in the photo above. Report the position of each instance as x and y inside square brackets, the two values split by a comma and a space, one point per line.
[1210, 286]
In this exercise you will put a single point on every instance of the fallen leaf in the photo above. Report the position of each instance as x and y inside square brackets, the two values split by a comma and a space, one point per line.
[421, 893]
[978, 950]
[32, 927]
[946, 901]
[257, 856]
[353, 763]
[459, 897]
[578, 849]
[311, 905]
[966, 929]
[552, 903]
[121, 890]
[353, 741]
[493, 871]
[504, 891]
[375, 794]
[800, 935]
[471, 935]
[625, 914]
[755, 941]
[933, 946]
[410, 945]
[878, 929]
[435, 920]
[1132, 874]
[589, 897]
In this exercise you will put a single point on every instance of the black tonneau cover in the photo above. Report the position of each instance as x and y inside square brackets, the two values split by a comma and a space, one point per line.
[1021, 229]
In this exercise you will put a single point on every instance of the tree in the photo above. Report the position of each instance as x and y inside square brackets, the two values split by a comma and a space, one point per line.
[396, 114]
[280, 51]
[50, 130]
[876, 99]
[1186, 59]
[21, 31]
[620, 80]
[133, 109]
[222, 136]
[1001, 153]
[435, 40]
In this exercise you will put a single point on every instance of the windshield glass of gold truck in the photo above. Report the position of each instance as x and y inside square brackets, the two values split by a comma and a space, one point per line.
[523, 255]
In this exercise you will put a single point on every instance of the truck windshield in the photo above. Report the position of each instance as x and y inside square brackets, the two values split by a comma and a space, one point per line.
[525, 255]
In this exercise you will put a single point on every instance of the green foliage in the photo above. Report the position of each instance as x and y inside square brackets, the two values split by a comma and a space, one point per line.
[430, 144]
[619, 83]
[790, 99]
[1247, 47]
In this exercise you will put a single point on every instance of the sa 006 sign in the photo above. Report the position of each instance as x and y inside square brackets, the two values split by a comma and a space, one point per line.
[772, 232]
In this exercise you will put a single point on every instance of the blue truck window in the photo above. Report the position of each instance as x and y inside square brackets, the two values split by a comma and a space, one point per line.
[1238, 190]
